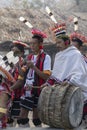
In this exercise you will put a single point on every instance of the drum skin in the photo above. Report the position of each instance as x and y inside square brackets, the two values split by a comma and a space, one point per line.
[61, 106]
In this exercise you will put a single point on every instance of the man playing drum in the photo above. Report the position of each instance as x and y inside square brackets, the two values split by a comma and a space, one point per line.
[69, 64]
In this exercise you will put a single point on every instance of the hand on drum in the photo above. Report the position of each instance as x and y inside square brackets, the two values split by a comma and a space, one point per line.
[64, 83]
[44, 85]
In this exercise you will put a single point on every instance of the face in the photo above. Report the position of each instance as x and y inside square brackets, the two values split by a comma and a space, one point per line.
[16, 51]
[35, 46]
[60, 44]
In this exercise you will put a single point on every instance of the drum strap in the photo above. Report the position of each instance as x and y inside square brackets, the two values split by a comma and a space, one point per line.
[3, 110]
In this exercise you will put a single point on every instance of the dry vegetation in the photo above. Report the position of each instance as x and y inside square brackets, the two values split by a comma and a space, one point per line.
[11, 28]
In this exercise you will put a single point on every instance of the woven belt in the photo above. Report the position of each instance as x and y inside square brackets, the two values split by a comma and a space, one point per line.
[3, 110]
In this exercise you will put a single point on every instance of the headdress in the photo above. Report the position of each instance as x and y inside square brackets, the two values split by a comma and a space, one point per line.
[79, 36]
[39, 33]
[76, 36]
[50, 14]
[20, 43]
[33, 30]
[59, 29]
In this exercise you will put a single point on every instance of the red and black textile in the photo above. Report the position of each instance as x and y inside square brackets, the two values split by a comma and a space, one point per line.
[85, 110]
[37, 80]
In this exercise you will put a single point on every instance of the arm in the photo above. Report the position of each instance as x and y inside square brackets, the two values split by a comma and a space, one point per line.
[78, 76]
[46, 68]
[42, 74]
[19, 83]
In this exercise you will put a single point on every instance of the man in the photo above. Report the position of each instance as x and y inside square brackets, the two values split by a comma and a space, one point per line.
[69, 64]
[18, 49]
[78, 40]
[38, 66]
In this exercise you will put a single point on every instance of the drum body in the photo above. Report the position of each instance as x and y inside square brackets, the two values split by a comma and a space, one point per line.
[61, 106]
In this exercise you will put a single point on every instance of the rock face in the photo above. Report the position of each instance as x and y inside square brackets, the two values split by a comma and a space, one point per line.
[64, 10]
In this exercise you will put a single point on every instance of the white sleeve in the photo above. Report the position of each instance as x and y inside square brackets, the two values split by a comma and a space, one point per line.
[47, 63]
[79, 75]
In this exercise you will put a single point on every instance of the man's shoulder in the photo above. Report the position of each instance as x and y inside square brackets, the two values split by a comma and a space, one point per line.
[73, 51]
[48, 56]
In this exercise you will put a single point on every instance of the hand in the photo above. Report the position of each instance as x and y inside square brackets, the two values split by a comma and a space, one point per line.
[44, 85]
[64, 83]
[28, 87]
[23, 62]
[30, 64]
[10, 88]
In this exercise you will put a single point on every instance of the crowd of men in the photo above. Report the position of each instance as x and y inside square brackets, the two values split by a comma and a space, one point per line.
[34, 73]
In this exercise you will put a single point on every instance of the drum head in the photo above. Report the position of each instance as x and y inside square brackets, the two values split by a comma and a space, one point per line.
[72, 107]
[76, 108]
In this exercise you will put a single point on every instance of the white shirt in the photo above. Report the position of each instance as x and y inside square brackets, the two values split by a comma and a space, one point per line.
[70, 64]
[30, 75]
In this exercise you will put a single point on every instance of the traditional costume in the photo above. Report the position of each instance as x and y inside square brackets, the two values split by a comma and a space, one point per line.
[81, 40]
[43, 62]
[70, 65]
[5, 96]
[6, 80]
[15, 108]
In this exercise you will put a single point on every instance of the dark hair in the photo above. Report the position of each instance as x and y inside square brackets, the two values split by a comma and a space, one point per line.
[38, 37]
[19, 46]
[78, 41]
[65, 38]
[1, 78]
[11, 46]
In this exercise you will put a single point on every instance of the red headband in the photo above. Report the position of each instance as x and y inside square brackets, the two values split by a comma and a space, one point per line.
[79, 36]
[38, 32]
[21, 43]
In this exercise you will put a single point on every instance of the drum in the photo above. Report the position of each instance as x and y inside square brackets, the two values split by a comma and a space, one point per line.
[61, 106]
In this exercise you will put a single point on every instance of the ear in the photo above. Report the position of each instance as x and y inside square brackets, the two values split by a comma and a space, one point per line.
[67, 42]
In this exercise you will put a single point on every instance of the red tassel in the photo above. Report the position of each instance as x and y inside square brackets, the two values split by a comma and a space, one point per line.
[40, 47]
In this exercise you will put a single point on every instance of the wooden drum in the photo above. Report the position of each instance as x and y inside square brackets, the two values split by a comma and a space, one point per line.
[61, 106]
